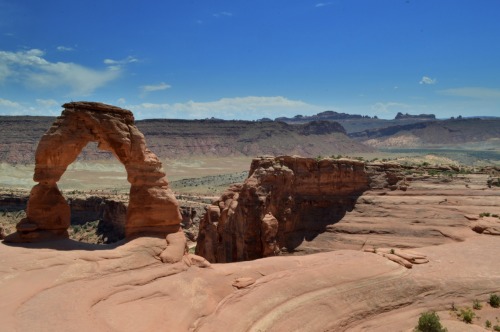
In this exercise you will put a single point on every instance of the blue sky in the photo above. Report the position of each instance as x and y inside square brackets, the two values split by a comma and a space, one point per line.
[252, 59]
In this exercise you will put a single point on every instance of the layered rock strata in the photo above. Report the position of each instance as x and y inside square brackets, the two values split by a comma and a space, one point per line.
[152, 208]
[284, 201]
[396, 206]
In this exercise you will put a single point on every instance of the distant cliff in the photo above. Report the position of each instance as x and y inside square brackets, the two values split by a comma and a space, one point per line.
[432, 133]
[354, 123]
[169, 138]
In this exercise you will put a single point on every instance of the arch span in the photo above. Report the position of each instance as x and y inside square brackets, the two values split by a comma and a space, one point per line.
[152, 208]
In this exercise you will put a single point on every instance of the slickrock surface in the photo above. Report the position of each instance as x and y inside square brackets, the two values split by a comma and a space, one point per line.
[68, 286]
[152, 207]
[433, 210]
[345, 204]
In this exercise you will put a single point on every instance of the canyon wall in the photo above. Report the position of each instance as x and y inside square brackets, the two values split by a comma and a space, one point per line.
[170, 138]
[284, 201]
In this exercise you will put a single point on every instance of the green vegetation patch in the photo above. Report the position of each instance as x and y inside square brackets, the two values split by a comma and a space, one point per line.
[494, 300]
[429, 322]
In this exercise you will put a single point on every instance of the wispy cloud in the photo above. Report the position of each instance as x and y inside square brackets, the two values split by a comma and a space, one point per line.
[154, 87]
[322, 4]
[64, 49]
[47, 102]
[387, 107]
[427, 80]
[118, 64]
[472, 92]
[250, 107]
[31, 69]
[222, 14]
[5, 103]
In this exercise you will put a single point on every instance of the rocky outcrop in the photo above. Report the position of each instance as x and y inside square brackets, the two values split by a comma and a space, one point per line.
[284, 201]
[404, 258]
[152, 207]
[486, 225]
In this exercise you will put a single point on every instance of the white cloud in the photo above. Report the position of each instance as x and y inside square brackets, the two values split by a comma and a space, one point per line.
[129, 59]
[64, 48]
[322, 4]
[473, 92]
[427, 80]
[154, 87]
[47, 102]
[33, 70]
[249, 108]
[384, 108]
[223, 14]
[121, 101]
[5, 103]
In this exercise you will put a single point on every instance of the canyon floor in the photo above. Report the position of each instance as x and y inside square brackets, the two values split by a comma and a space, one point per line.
[338, 286]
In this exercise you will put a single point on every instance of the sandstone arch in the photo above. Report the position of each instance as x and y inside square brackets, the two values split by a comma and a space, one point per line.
[152, 208]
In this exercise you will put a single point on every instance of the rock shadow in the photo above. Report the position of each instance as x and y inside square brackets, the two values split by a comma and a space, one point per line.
[314, 216]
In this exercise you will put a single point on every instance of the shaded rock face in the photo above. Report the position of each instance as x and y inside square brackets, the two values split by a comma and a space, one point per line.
[112, 215]
[284, 201]
[152, 206]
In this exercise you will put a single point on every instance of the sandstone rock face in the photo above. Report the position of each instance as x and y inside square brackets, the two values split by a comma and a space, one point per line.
[284, 201]
[152, 207]
[268, 232]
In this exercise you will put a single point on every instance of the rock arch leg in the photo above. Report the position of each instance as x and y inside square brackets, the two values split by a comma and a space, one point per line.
[48, 214]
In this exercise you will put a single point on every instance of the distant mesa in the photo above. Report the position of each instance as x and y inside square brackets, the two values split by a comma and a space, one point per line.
[326, 115]
[175, 138]
[401, 116]
[265, 120]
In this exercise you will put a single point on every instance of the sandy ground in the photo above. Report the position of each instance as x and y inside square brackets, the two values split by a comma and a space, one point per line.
[69, 286]
[111, 174]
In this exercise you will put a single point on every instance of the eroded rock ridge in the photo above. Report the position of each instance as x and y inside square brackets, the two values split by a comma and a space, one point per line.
[284, 201]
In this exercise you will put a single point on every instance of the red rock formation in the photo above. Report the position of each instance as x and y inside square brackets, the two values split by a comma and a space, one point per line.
[284, 201]
[152, 207]
[269, 230]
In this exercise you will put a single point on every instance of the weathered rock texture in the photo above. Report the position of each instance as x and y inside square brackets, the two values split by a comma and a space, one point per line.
[152, 207]
[379, 205]
[70, 286]
[284, 201]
